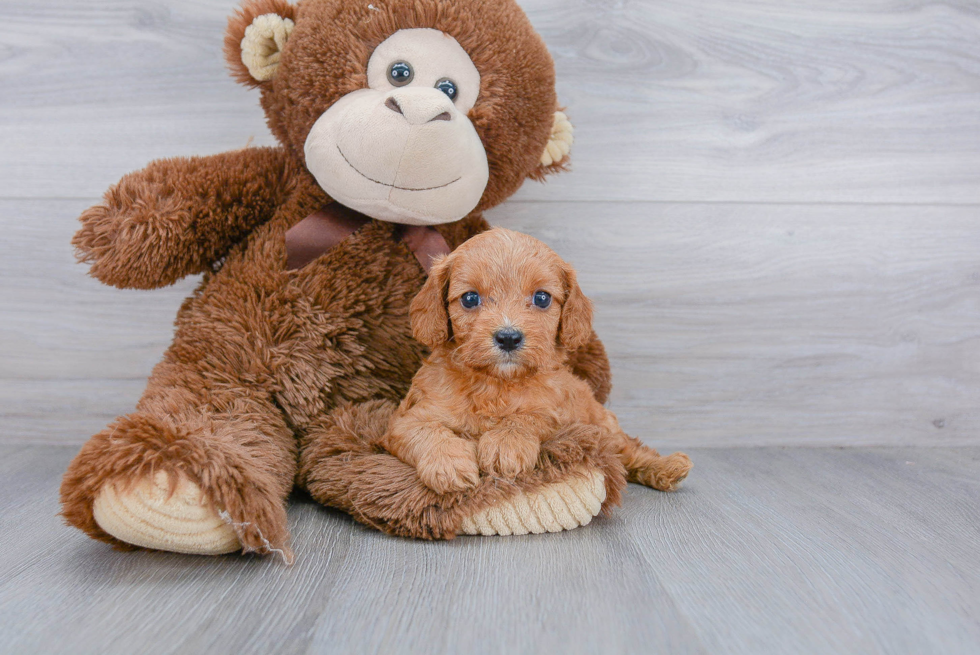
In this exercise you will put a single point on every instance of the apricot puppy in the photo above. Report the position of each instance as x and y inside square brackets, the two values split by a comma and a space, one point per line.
[500, 314]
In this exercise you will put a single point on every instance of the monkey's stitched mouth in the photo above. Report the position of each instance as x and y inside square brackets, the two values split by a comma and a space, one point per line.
[392, 186]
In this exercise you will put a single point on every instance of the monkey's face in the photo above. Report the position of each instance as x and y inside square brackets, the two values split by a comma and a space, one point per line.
[411, 111]
[403, 149]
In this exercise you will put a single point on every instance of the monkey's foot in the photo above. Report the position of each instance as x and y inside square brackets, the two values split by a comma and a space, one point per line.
[152, 514]
[551, 508]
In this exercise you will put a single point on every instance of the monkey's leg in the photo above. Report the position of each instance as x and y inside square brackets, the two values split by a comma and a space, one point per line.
[343, 464]
[646, 466]
[192, 471]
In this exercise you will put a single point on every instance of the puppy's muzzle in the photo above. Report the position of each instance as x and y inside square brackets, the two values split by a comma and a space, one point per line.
[508, 339]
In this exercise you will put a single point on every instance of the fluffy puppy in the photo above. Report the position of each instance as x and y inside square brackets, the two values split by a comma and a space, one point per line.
[500, 314]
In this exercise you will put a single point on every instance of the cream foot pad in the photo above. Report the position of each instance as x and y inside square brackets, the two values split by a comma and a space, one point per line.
[148, 515]
[552, 508]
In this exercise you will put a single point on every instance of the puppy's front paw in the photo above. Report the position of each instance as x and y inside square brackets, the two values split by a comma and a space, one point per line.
[450, 466]
[503, 453]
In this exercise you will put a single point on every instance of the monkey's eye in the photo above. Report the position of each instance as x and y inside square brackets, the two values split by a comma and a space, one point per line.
[470, 299]
[448, 87]
[542, 299]
[400, 73]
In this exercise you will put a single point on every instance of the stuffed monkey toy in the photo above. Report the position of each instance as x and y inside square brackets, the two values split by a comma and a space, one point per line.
[399, 123]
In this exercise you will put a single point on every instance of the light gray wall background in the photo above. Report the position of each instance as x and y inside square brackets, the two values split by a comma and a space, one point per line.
[775, 205]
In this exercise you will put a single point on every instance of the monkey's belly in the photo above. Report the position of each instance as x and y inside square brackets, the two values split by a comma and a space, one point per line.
[334, 331]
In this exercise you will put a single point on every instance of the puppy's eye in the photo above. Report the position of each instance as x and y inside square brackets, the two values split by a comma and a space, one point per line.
[400, 73]
[470, 299]
[542, 299]
[448, 87]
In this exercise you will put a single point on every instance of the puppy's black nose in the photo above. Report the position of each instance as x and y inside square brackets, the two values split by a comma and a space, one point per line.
[508, 339]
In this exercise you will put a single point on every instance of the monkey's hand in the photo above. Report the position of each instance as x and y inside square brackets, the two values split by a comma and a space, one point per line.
[176, 217]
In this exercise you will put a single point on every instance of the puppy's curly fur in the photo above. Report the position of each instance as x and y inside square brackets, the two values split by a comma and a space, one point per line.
[497, 384]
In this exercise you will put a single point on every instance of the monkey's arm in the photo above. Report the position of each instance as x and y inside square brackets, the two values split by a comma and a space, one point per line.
[176, 217]
[592, 365]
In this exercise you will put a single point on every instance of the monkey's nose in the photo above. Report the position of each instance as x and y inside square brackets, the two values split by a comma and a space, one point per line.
[393, 105]
[508, 339]
[420, 106]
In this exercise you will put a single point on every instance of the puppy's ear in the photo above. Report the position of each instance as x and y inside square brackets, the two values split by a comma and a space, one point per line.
[430, 320]
[575, 328]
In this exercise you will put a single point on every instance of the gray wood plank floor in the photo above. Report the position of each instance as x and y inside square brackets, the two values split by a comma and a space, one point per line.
[765, 550]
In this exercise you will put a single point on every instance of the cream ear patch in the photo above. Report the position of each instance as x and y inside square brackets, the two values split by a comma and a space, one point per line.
[263, 43]
[560, 143]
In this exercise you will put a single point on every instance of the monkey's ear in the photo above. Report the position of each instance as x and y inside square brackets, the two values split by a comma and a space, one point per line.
[555, 155]
[430, 320]
[255, 37]
[575, 326]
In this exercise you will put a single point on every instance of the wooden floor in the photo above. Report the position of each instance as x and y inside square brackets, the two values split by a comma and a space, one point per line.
[775, 205]
[766, 550]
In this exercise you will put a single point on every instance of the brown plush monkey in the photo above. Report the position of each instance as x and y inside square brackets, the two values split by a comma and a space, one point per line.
[400, 122]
